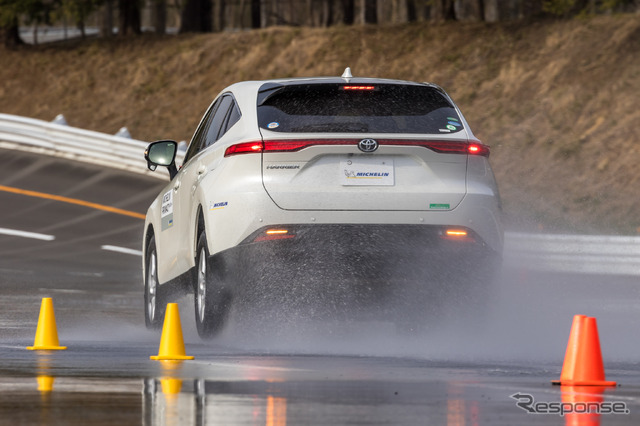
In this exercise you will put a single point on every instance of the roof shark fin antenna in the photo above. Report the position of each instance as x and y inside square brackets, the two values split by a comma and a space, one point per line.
[347, 74]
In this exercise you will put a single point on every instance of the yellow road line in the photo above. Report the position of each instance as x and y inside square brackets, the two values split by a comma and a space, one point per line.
[72, 201]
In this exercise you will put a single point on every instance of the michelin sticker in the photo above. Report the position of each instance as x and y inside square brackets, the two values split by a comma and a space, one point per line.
[166, 213]
[367, 172]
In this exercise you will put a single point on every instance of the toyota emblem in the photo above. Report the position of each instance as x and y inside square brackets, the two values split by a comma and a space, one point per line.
[368, 145]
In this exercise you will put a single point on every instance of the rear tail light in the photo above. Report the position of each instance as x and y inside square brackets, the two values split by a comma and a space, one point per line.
[442, 147]
[478, 149]
[244, 148]
[274, 234]
[283, 145]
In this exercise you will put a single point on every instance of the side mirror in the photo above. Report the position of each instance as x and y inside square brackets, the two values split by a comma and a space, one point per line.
[162, 153]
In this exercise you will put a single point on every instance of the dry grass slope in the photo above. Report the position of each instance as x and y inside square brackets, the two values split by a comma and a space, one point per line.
[557, 101]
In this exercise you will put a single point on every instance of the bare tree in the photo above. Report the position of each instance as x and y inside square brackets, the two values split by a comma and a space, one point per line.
[369, 11]
[159, 16]
[266, 14]
[442, 10]
[106, 27]
[197, 16]
[422, 9]
[399, 11]
[327, 13]
[319, 13]
[10, 33]
[220, 15]
[129, 17]
[348, 11]
[277, 12]
[469, 10]
[255, 14]
[239, 15]
[491, 11]
[412, 11]
[311, 12]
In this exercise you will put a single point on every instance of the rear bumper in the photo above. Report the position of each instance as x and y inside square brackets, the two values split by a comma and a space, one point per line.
[334, 252]
[369, 238]
[478, 212]
[364, 271]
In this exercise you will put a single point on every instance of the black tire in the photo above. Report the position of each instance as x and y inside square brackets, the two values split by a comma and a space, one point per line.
[211, 300]
[154, 306]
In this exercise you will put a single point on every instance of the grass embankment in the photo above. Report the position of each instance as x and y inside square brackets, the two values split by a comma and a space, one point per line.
[557, 101]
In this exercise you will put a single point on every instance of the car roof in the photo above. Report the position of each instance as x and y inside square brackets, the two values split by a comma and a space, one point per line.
[339, 80]
[254, 84]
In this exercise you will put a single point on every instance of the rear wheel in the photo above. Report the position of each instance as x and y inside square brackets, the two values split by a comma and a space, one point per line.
[211, 299]
[154, 306]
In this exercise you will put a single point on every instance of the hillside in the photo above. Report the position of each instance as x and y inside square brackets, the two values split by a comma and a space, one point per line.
[557, 101]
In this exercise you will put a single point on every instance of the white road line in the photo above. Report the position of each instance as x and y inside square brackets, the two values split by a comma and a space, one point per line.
[24, 234]
[122, 250]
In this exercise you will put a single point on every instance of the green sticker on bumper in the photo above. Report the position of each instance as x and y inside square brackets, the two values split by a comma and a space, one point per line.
[439, 206]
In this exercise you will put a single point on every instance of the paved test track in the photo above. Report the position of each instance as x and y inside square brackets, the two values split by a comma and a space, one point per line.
[367, 377]
[76, 260]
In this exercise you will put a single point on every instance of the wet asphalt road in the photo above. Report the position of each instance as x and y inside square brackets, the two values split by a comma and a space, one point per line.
[277, 372]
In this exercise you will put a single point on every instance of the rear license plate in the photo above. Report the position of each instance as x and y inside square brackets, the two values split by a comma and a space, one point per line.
[367, 171]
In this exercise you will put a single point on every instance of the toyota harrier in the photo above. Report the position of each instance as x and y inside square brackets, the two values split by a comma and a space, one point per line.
[309, 181]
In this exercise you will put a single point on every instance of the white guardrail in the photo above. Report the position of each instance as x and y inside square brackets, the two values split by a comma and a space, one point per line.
[564, 253]
[83, 145]
[588, 254]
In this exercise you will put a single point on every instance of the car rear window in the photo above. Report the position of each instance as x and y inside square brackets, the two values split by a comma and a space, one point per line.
[357, 108]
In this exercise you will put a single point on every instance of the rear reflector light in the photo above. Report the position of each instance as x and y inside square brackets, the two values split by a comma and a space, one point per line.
[274, 234]
[458, 234]
[358, 87]
[277, 232]
[442, 147]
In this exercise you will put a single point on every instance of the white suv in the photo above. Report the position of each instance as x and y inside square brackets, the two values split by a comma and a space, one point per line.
[357, 179]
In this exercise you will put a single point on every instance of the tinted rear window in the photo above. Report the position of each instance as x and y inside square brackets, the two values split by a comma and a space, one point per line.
[380, 108]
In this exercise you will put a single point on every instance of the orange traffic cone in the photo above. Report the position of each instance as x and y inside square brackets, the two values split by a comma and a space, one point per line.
[47, 332]
[583, 359]
[171, 342]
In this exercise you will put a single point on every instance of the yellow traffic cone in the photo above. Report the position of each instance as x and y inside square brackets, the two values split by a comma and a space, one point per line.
[47, 332]
[171, 342]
